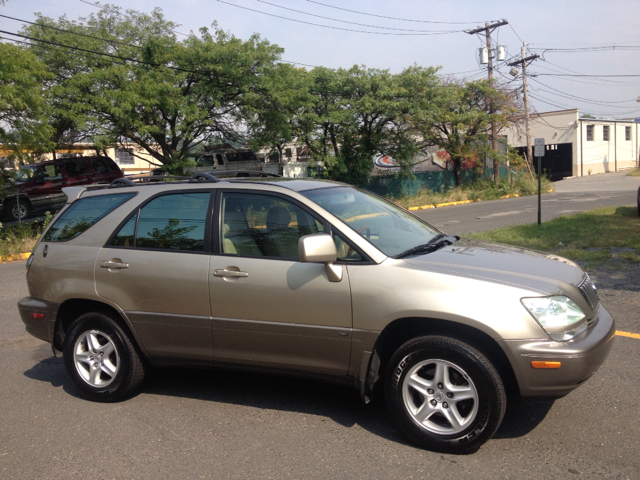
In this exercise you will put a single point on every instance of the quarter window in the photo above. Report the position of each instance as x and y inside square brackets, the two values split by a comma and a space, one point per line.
[82, 214]
[170, 222]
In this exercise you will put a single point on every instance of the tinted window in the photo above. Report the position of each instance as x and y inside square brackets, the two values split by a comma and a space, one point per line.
[82, 214]
[124, 238]
[76, 168]
[171, 222]
[99, 165]
[205, 161]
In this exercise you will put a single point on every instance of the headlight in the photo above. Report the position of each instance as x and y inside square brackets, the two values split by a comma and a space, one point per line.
[560, 317]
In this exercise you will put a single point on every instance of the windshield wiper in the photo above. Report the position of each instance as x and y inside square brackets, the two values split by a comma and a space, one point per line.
[439, 241]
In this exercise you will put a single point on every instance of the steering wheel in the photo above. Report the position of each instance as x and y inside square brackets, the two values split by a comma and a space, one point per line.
[365, 232]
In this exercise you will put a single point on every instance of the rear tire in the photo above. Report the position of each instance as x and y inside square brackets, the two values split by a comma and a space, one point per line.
[445, 395]
[101, 359]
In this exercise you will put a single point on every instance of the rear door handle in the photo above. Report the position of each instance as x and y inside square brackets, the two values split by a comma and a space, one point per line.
[114, 264]
[229, 273]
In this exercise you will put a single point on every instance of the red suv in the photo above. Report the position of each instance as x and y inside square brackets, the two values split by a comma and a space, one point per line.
[39, 185]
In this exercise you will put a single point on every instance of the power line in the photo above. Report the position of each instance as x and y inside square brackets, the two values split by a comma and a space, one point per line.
[352, 23]
[392, 18]
[574, 97]
[584, 75]
[588, 49]
[332, 27]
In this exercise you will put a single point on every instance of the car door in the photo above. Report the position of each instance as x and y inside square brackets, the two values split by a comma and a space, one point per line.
[155, 268]
[48, 182]
[268, 308]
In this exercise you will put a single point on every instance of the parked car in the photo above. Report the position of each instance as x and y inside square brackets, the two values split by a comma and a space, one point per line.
[221, 158]
[38, 187]
[313, 278]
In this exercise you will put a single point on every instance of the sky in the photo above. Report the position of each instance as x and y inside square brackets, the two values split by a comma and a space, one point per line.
[590, 50]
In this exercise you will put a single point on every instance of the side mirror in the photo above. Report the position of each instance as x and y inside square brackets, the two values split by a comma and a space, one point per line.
[320, 248]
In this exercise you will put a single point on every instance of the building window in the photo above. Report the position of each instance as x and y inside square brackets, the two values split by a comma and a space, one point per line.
[124, 156]
[589, 133]
[627, 133]
[605, 133]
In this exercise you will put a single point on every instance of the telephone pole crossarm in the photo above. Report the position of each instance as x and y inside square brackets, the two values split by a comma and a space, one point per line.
[530, 58]
[487, 27]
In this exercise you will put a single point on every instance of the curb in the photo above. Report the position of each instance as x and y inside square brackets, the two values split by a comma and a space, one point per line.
[449, 204]
[15, 258]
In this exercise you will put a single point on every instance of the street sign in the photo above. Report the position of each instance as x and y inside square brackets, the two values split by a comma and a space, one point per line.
[538, 147]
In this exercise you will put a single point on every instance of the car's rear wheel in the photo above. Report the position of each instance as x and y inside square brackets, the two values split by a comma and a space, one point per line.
[101, 359]
[18, 210]
[444, 394]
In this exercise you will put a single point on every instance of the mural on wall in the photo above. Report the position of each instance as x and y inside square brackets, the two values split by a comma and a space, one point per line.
[430, 161]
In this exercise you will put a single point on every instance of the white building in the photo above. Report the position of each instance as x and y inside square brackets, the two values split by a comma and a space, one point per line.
[580, 146]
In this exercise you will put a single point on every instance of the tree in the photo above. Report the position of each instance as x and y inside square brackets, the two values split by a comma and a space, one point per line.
[131, 80]
[353, 115]
[460, 123]
[23, 106]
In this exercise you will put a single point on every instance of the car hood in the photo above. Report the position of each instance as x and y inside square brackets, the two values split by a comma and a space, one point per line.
[545, 273]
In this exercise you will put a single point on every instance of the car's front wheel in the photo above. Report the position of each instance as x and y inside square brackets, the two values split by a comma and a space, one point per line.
[18, 210]
[444, 394]
[100, 358]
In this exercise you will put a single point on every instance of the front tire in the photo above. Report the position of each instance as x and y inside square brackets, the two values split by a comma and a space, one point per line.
[101, 360]
[17, 211]
[445, 395]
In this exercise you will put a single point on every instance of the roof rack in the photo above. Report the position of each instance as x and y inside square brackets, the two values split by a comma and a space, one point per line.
[121, 182]
[246, 173]
[203, 177]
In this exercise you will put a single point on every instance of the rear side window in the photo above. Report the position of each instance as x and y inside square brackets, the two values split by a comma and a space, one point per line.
[82, 214]
[76, 168]
[170, 222]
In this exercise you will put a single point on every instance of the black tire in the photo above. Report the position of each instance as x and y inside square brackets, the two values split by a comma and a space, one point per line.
[109, 370]
[11, 210]
[468, 373]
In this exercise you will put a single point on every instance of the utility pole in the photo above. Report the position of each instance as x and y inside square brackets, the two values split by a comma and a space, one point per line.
[523, 61]
[487, 29]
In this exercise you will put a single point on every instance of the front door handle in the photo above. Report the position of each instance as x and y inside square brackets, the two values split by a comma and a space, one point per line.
[229, 273]
[114, 264]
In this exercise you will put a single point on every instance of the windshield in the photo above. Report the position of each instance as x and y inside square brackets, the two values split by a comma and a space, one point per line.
[389, 228]
[25, 174]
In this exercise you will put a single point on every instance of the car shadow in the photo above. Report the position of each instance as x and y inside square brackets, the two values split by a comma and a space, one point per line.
[341, 404]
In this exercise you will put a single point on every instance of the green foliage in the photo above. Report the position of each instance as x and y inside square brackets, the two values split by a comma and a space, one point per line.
[164, 95]
[23, 105]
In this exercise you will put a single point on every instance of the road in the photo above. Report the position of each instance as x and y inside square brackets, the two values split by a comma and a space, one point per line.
[214, 424]
[571, 196]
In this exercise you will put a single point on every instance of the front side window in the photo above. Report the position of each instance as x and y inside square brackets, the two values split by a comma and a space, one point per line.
[389, 228]
[170, 222]
[82, 214]
[263, 226]
[49, 173]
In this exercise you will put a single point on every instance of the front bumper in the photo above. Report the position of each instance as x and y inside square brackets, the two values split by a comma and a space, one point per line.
[580, 358]
[39, 317]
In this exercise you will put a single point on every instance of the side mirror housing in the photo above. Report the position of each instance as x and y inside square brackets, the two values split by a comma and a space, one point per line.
[320, 248]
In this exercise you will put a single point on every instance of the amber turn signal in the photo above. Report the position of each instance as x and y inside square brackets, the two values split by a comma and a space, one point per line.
[546, 364]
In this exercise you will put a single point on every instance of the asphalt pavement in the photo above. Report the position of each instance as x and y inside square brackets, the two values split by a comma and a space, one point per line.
[571, 195]
[217, 424]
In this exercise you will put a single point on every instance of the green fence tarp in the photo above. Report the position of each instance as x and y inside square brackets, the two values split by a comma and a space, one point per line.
[394, 186]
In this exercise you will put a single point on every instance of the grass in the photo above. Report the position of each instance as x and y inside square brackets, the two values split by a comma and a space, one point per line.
[591, 238]
[479, 190]
[634, 173]
[22, 238]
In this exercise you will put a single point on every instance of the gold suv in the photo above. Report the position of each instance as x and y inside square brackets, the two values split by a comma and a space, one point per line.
[312, 278]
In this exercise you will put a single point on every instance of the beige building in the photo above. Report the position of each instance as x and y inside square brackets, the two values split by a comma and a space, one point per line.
[576, 146]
